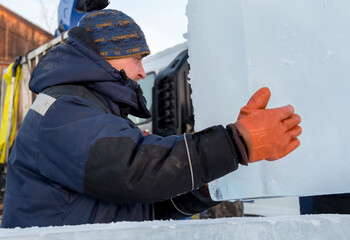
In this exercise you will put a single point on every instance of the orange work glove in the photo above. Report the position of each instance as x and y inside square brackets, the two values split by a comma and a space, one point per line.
[259, 100]
[268, 133]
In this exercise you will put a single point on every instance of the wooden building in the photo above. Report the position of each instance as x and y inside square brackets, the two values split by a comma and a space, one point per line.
[18, 36]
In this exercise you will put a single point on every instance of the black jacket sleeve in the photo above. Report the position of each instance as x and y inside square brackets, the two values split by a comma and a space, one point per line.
[183, 206]
[155, 169]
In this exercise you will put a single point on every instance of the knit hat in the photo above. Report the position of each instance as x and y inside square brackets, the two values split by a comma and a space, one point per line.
[116, 34]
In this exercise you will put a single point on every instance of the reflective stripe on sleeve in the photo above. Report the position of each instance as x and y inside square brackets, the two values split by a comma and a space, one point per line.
[42, 103]
[189, 161]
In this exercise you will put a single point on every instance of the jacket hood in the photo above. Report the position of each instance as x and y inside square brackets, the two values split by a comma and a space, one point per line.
[79, 64]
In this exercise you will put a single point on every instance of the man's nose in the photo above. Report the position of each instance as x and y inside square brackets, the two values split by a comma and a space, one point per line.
[142, 73]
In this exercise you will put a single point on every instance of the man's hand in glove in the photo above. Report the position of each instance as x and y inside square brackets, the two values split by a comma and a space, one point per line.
[268, 133]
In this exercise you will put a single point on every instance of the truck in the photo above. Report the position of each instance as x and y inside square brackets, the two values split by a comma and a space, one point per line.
[167, 90]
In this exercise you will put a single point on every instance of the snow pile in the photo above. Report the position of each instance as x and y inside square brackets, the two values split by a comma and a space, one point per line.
[293, 228]
[300, 50]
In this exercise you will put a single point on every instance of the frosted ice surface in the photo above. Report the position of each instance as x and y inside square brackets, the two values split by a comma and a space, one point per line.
[301, 51]
[293, 228]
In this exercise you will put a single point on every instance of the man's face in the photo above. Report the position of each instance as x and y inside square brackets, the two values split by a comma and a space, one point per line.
[131, 65]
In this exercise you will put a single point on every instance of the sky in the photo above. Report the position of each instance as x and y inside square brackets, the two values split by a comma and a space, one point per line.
[163, 21]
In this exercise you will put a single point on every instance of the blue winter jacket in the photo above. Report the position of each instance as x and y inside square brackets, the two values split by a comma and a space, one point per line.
[76, 160]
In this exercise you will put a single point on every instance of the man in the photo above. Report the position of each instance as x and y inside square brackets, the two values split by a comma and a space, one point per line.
[78, 158]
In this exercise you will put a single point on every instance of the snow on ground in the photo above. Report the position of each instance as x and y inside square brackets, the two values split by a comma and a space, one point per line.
[293, 228]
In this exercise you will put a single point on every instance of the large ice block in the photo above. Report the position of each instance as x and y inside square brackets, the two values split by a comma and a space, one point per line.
[301, 51]
[286, 228]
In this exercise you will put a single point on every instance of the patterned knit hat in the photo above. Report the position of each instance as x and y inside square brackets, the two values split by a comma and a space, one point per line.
[116, 34]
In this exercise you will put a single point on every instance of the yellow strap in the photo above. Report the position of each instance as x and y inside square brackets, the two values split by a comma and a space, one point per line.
[5, 117]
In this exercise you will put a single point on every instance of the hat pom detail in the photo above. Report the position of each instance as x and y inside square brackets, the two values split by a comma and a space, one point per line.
[92, 5]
